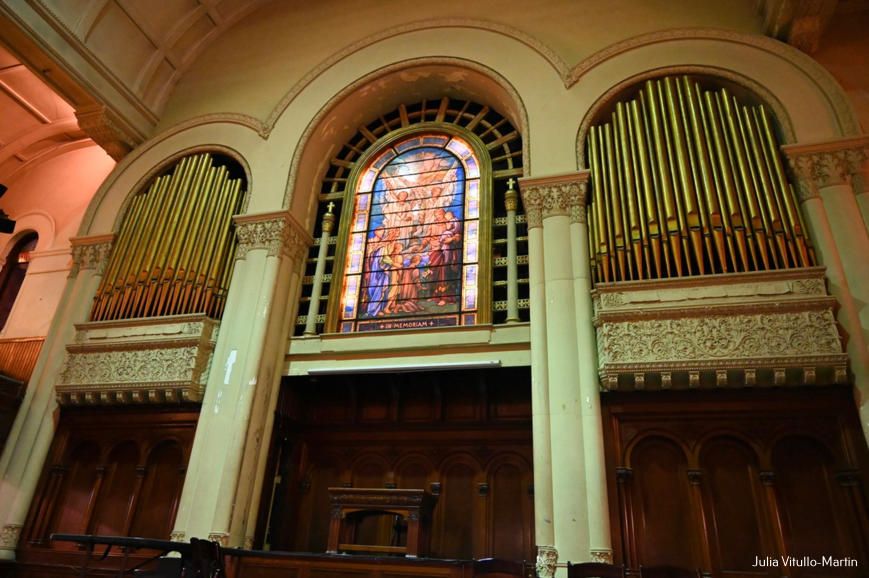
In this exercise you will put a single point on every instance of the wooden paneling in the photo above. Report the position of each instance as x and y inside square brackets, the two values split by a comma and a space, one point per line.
[18, 356]
[307, 566]
[116, 472]
[714, 480]
[464, 436]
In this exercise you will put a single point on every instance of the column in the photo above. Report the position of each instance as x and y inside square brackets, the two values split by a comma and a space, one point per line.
[317, 289]
[511, 202]
[578, 477]
[600, 541]
[241, 359]
[544, 532]
[32, 433]
[841, 239]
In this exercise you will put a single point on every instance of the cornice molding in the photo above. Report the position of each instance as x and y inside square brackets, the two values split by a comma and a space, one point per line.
[277, 232]
[555, 195]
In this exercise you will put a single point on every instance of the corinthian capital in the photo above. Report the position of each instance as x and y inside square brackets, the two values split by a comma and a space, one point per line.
[560, 195]
[91, 253]
[276, 232]
[826, 164]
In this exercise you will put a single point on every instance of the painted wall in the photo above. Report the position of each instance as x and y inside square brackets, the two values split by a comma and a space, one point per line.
[49, 197]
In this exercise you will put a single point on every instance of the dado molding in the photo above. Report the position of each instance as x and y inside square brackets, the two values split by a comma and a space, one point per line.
[560, 195]
[774, 328]
[160, 360]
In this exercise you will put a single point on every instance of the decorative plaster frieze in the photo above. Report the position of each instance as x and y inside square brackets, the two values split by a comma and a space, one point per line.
[821, 165]
[143, 361]
[547, 558]
[91, 253]
[602, 556]
[9, 535]
[719, 332]
[561, 195]
[277, 232]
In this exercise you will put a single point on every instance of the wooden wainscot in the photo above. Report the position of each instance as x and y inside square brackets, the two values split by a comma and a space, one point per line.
[408, 506]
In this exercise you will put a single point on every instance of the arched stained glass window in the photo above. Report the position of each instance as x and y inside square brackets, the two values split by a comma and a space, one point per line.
[413, 248]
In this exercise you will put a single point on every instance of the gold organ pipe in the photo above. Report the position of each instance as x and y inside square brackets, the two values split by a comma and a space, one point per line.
[615, 196]
[107, 284]
[629, 190]
[689, 196]
[225, 261]
[222, 249]
[598, 188]
[200, 286]
[651, 212]
[179, 233]
[671, 175]
[666, 189]
[194, 239]
[658, 188]
[637, 188]
[783, 189]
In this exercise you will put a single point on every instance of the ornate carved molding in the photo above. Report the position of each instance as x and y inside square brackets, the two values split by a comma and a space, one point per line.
[9, 535]
[602, 556]
[105, 128]
[772, 328]
[560, 195]
[277, 232]
[178, 536]
[220, 537]
[91, 253]
[147, 361]
[820, 165]
[547, 558]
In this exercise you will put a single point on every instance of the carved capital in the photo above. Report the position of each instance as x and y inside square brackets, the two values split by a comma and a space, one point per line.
[221, 538]
[178, 536]
[9, 535]
[278, 233]
[547, 558]
[827, 164]
[602, 556]
[562, 195]
[106, 129]
[91, 253]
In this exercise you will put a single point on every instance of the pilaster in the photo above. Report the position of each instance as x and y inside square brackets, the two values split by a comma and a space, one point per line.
[244, 374]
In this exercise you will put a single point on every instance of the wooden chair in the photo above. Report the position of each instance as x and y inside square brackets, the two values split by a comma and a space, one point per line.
[668, 572]
[594, 570]
[499, 567]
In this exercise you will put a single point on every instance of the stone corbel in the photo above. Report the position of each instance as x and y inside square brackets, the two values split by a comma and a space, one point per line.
[277, 232]
[559, 195]
[825, 164]
[107, 130]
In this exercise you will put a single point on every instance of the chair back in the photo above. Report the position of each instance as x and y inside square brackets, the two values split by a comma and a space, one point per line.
[668, 572]
[594, 570]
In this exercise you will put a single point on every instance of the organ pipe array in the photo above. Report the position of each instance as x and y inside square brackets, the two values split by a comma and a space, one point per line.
[175, 250]
[688, 181]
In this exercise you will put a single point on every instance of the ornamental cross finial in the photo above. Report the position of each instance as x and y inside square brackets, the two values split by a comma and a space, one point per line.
[330, 206]
[510, 182]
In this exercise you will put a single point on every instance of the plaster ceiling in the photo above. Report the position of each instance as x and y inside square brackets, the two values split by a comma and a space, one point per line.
[36, 122]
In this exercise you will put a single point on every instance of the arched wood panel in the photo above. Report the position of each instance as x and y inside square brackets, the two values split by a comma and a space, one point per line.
[75, 500]
[510, 510]
[659, 489]
[115, 501]
[163, 479]
[456, 514]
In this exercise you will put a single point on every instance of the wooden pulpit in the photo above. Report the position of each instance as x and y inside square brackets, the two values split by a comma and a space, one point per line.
[414, 507]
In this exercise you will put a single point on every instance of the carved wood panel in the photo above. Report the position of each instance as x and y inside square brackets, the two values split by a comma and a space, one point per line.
[117, 473]
[716, 480]
[464, 436]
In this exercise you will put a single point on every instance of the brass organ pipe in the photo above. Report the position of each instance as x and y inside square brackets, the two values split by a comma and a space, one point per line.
[689, 196]
[630, 192]
[706, 179]
[223, 246]
[726, 173]
[598, 187]
[135, 265]
[637, 188]
[208, 255]
[792, 211]
[149, 274]
[179, 231]
[119, 254]
[209, 270]
[753, 192]
[663, 173]
[205, 201]
[226, 261]
[651, 211]
[658, 188]
[766, 191]
[749, 212]
[616, 214]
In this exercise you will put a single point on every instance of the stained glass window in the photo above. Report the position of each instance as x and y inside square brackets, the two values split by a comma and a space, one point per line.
[412, 256]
